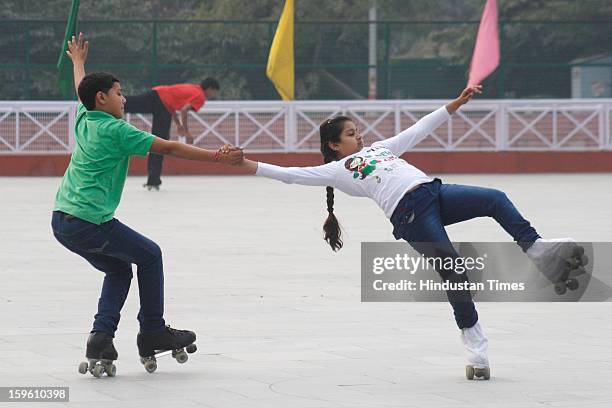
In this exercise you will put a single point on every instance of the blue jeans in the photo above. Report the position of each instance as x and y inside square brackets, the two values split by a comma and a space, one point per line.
[421, 215]
[112, 248]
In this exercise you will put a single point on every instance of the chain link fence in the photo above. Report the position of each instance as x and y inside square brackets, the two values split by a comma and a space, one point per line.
[415, 60]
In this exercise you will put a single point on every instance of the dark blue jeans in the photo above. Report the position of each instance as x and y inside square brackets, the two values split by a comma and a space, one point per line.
[112, 248]
[421, 215]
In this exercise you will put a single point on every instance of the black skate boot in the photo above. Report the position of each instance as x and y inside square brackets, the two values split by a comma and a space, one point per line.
[169, 341]
[100, 355]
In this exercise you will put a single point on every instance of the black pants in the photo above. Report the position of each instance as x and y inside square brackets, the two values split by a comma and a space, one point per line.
[149, 102]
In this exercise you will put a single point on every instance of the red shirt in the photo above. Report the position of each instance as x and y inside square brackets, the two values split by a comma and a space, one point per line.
[175, 97]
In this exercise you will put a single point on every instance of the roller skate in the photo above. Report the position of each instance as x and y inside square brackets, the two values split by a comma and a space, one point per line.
[178, 343]
[150, 187]
[100, 355]
[561, 261]
[476, 343]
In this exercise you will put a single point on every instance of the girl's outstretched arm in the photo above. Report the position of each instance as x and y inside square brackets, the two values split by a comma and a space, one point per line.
[414, 134]
[464, 98]
[249, 165]
[324, 175]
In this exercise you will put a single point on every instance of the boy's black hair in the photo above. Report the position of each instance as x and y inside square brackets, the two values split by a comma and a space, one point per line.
[211, 83]
[92, 84]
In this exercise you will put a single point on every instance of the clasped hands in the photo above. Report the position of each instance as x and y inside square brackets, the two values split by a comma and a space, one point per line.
[229, 154]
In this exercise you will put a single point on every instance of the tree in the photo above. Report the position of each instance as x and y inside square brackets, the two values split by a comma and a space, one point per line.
[331, 56]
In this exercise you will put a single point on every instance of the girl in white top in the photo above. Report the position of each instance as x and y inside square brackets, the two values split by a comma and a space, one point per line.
[418, 206]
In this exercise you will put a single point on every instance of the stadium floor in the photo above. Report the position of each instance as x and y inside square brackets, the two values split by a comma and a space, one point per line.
[278, 315]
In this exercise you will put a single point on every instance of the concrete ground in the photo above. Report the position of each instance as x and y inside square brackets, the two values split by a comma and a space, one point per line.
[278, 315]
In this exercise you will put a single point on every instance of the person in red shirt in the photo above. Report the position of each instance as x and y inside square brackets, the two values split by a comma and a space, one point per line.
[165, 102]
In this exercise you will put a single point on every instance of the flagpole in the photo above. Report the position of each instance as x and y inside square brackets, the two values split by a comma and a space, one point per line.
[372, 60]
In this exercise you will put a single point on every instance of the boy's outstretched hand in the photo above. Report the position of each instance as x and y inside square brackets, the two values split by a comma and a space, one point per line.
[229, 154]
[77, 49]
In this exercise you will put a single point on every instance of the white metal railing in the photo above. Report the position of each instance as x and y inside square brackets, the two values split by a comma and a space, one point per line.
[486, 125]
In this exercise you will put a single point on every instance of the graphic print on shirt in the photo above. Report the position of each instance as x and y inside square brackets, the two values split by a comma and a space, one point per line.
[363, 166]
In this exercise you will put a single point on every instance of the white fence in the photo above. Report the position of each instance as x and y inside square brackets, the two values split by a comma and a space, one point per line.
[486, 125]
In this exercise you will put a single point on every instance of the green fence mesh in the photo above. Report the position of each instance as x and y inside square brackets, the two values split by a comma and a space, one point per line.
[414, 59]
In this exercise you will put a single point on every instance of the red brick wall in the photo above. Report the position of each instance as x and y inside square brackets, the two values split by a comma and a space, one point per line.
[430, 162]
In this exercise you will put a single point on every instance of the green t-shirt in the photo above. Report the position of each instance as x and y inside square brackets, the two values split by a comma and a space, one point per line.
[92, 185]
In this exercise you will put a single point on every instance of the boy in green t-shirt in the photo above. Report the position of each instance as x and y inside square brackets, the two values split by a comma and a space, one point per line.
[85, 205]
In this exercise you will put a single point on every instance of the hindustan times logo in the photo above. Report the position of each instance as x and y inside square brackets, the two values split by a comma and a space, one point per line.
[410, 264]
[430, 285]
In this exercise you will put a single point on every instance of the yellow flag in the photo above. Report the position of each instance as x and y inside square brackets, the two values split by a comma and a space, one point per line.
[281, 65]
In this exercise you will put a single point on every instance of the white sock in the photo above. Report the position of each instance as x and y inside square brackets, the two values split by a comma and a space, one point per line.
[543, 246]
[476, 344]
[549, 254]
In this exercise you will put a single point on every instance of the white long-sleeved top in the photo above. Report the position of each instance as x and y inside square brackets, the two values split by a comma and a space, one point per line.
[376, 172]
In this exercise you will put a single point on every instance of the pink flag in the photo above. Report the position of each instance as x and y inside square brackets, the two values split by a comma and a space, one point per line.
[486, 51]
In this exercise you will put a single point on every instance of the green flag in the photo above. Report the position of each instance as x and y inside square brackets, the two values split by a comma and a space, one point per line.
[65, 80]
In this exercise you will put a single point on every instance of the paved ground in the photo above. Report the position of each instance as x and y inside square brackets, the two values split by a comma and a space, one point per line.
[279, 317]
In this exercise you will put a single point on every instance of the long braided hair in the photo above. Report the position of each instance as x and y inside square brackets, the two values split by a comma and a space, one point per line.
[330, 131]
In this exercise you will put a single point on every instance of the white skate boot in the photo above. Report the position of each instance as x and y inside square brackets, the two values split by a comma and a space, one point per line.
[557, 259]
[476, 344]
